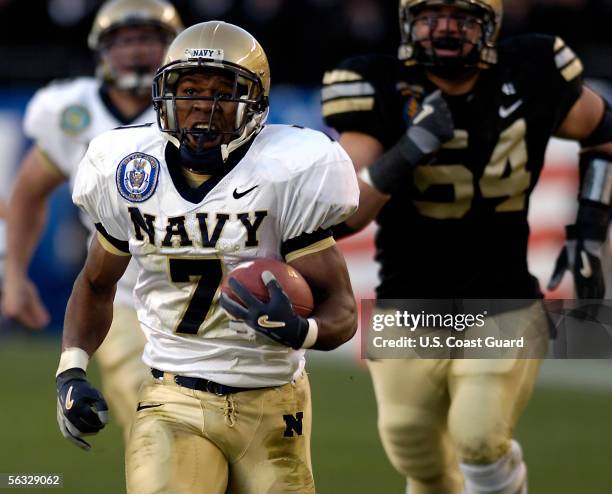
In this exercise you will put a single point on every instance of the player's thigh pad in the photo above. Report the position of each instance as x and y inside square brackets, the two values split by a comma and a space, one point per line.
[413, 401]
[488, 395]
[168, 451]
[120, 361]
[276, 459]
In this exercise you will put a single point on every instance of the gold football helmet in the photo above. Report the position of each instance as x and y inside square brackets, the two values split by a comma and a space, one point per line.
[215, 46]
[120, 13]
[488, 13]
[132, 72]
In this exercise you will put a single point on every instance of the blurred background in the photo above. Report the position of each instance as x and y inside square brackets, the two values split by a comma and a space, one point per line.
[567, 428]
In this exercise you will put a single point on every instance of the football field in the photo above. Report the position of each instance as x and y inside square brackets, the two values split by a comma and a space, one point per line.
[566, 431]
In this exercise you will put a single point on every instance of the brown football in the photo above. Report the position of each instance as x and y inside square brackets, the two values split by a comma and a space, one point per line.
[249, 275]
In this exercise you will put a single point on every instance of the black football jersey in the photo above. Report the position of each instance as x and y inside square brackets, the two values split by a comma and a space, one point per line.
[459, 230]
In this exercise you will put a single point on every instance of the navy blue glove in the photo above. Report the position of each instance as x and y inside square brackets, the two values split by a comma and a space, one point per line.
[276, 319]
[581, 256]
[81, 409]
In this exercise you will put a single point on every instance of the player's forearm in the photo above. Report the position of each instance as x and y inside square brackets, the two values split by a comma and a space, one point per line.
[336, 318]
[27, 216]
[371, 201]
[89, 315]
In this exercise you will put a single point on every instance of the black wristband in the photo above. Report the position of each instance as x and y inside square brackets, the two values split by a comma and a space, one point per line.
[392, 170]
[592, 220]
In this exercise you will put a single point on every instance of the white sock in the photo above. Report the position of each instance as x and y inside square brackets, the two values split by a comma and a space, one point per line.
[508, 475]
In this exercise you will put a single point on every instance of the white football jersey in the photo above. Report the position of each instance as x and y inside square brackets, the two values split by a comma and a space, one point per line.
[277, 202]
[62, 118]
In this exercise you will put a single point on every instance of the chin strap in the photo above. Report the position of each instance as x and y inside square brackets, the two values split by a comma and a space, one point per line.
[252, 128]
[211, 161]
[138, 82]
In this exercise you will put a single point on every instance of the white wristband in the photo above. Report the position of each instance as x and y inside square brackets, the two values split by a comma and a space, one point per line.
[72, 357]
[313, 333]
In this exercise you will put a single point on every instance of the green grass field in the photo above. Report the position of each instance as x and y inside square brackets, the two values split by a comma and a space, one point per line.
[566, 433]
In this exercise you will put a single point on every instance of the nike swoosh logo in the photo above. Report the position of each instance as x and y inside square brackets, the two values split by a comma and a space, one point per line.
[265, 323]
[425, 111]
[69, 400]
[144, 407]
[238, 195]
[506, 112]
[585, 270]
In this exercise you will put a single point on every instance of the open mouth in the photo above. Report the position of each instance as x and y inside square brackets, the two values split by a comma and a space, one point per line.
[205, 127]
[448, 46]
[204, 136]
[443, 52]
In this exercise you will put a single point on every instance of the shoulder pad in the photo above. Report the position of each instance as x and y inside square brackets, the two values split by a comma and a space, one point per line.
[542, 53]
[361, 95]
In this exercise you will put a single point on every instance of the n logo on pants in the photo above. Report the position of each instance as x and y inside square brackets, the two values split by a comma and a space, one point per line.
[293, 424]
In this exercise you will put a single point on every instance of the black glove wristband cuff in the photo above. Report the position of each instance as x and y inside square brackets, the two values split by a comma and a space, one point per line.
[392, 170]
[592, 220]
[69, 375]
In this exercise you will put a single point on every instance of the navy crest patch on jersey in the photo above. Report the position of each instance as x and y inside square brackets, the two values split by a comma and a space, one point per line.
[137, 176]
[75, 119]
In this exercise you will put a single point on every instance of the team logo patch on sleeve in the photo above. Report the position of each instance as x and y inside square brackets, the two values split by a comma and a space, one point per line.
[75, 119]
[137, 176]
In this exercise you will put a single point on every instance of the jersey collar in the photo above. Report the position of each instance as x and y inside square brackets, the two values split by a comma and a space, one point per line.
[197, 194]
[114, 111]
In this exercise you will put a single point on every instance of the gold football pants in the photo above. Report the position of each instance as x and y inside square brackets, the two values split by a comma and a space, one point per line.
[122, 370]
[185, 441]
[434, 413]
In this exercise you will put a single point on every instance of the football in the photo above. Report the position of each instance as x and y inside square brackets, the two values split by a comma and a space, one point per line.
[293, 283]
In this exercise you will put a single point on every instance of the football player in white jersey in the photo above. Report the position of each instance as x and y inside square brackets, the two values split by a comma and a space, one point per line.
[227, 406]
[129, 38]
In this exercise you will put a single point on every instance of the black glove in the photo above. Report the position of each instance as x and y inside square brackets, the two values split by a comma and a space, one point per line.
[276, 319]
[81, 409]
[581, 256]
[431, 127]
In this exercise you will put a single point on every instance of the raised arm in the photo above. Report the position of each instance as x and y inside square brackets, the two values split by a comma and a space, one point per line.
[589, 121]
